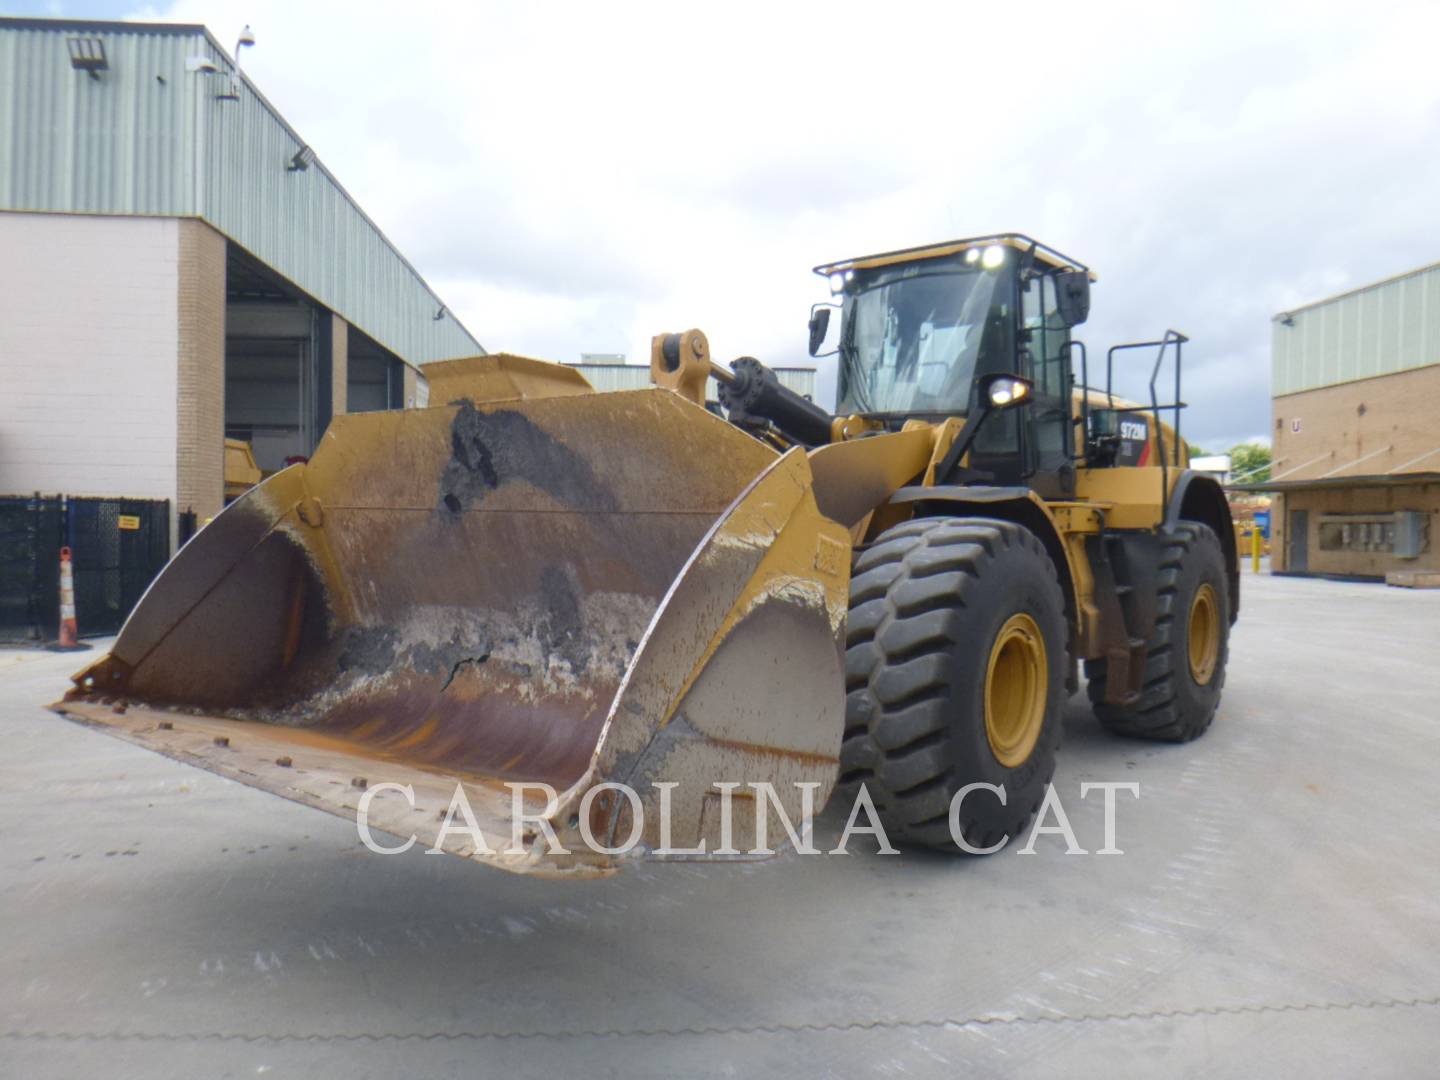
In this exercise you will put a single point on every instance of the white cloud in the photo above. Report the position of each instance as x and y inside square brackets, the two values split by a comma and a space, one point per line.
[576, 177]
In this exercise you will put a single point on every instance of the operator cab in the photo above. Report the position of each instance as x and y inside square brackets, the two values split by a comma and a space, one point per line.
[922, 327]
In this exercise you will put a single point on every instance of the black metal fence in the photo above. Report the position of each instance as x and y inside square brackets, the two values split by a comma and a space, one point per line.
[31, 533]
[117, 546]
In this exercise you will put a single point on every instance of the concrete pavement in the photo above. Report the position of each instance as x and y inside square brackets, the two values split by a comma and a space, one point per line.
[1276, 911]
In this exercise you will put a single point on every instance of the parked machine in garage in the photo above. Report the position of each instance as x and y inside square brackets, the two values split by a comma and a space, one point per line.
[241, 472]
[534, 581]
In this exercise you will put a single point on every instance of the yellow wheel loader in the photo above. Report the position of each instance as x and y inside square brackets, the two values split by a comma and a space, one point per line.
[624, 626]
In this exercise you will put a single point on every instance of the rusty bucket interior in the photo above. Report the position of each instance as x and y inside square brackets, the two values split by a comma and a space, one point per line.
[468, 593]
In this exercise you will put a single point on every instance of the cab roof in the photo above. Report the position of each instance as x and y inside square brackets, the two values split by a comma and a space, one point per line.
[1053, 259]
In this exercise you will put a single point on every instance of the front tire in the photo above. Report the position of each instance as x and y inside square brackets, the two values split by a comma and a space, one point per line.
[955, 674]
[1185, 661]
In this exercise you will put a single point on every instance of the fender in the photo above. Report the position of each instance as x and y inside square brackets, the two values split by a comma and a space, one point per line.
[1197, 497]
[1017, 504]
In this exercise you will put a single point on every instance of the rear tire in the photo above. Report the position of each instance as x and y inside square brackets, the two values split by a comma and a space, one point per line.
[1185, 663]
[955, 674]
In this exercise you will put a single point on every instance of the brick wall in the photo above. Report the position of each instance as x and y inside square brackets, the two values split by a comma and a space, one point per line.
[200, 390]
[88, 336]
[1356, 499]
[1379, 424]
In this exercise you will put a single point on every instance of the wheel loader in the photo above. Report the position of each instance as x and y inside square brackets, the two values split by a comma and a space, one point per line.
[531, 593]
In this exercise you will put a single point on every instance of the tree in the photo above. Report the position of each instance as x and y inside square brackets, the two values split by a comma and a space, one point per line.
[1250, 463]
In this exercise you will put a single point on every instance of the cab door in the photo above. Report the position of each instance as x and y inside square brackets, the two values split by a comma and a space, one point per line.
[1043, 352]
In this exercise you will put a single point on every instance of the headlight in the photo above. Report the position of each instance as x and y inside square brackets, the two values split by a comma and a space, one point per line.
[1007, 391]
[994, 257]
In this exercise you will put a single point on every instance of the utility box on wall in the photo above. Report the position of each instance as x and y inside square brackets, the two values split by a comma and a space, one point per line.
[1401, 533]
[1412, 529]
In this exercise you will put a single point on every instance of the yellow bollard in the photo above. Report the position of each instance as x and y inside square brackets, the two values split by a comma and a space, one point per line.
[1255, 542]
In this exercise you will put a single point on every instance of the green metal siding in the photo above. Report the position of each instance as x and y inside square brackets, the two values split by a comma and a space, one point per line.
[635, 376]
[122, 144]
[149, 138]
[1391, 326]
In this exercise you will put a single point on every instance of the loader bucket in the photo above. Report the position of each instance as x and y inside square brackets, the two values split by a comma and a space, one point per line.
[570, 590]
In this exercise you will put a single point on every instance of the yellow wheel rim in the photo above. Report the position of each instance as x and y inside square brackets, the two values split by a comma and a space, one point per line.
[1204, 635]
[1017, 682]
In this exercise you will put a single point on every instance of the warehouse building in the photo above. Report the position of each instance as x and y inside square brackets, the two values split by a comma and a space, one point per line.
[1356, 467]
[177, 267]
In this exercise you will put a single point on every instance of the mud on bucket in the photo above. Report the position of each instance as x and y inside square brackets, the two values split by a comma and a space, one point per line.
[562, 590]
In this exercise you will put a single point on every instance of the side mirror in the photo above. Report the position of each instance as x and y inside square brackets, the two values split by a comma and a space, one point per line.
[819, 327]
[1072, 296]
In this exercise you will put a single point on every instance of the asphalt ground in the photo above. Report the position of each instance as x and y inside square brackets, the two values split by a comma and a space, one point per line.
[1275, 912]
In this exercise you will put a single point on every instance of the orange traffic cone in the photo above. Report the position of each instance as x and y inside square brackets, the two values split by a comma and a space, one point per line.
[69, 631]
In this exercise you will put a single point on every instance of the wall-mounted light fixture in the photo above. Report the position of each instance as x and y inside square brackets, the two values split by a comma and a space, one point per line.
[87, 54]
[301, 160]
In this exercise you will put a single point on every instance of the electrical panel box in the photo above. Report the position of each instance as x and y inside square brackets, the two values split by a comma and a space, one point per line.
[1411, 533]
[1403, 534]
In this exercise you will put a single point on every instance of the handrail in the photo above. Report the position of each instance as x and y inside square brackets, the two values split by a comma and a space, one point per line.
[1066, 350]
[1178, 339]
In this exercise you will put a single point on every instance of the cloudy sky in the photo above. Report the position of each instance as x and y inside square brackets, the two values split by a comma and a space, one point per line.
[577, 177]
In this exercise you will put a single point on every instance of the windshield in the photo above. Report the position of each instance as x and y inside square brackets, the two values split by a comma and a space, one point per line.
[912, 339]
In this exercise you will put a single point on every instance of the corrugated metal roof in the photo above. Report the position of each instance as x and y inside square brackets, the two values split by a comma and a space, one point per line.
[1392, 325]
[148, 137]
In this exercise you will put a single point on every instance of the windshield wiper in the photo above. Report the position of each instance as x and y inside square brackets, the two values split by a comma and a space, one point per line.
[849, 363]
